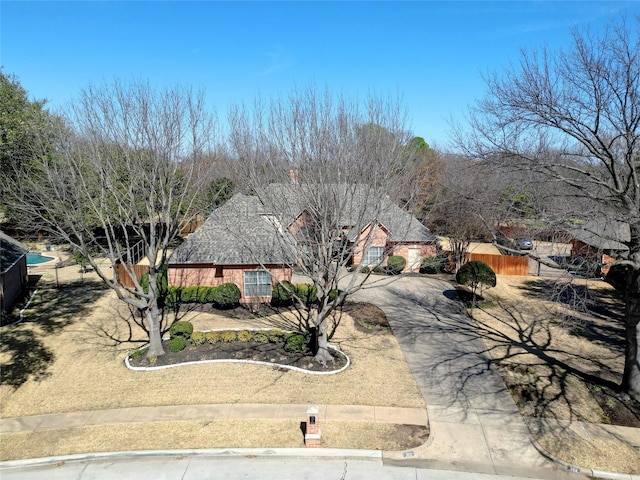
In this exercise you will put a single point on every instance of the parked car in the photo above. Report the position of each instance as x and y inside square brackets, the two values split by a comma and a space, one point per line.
[524, 243]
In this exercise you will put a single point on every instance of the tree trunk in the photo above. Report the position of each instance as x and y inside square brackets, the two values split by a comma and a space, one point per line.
[323, 355]
[153, 318]
[631, 376]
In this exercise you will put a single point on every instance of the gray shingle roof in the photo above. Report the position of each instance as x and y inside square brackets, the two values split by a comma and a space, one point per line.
[237, 233]
[251, 230]
[603, 234]
[358, 207]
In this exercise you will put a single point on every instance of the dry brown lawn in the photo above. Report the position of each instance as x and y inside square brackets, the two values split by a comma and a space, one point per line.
[557, 361]
[69, 365]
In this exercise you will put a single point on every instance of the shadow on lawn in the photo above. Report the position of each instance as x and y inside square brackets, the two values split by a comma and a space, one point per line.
[52, 309]
[544, 375]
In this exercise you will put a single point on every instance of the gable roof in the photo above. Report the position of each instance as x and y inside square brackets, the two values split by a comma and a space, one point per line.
[603, 234]
[361, 206]
[11, 250]
[237, 233]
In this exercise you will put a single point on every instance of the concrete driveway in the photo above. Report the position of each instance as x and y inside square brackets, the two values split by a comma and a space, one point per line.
[475, 425]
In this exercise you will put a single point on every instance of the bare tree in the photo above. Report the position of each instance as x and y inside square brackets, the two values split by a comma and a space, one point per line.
[123, 178]
[322, 167]
[575, 116]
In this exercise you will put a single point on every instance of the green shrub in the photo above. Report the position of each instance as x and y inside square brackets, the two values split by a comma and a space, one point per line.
[396, 264]
[365, 270]
[307, 293]
[378, 269]
[229, 336]
[213, 337]
[275, 336]
[139, 352]
[177, 343]
[295, 342]
[474, 274]
[431, 265]
[244, 336]
[282, 294]
[182, 329]
[198, 338]
[260, 337]
[226, 295]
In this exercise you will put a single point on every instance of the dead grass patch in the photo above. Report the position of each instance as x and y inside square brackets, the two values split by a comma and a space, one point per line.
[562, 362]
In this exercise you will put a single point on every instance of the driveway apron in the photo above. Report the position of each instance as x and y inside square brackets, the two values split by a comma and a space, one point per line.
[475, 424]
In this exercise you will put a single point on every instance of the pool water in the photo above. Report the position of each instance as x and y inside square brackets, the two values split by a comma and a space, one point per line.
[36, 258]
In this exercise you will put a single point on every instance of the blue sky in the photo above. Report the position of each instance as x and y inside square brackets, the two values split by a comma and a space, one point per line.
[432, 54]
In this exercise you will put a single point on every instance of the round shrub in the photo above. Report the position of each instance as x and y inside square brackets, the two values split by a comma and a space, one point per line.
[295, 343]
[182, 329]
[213, 337]
[198, 338]
[431, 265]
[177, 343]
[275, 336]
[244, 335]
[307, 293]
[396, 264]
[229, 336]
[282, 294]
[226, 295]
[260, 337]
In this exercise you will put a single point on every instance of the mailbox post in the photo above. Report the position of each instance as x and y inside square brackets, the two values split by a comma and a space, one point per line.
[312, 435]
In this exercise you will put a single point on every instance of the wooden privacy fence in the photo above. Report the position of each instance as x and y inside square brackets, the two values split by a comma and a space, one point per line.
[139, 270]
[504, 264]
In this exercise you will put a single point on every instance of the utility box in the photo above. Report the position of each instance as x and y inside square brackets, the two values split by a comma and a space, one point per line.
[312, 434]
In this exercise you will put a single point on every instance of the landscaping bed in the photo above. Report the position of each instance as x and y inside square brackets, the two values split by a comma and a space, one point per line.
[271, 348]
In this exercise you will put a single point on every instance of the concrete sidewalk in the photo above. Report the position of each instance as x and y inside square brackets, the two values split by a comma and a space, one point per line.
[411, 416]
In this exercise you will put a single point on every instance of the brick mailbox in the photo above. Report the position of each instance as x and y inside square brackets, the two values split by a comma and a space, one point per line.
[312, 434]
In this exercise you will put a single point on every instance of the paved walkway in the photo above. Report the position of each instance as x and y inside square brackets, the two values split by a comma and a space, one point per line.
[411, 416]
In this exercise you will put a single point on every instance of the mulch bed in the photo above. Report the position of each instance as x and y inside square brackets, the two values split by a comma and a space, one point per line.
[250, 350]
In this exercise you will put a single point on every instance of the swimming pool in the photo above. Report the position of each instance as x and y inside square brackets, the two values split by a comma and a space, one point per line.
[36, 258]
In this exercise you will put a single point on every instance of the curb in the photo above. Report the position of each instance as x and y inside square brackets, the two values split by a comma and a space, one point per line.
[217, 452]
[590, 472]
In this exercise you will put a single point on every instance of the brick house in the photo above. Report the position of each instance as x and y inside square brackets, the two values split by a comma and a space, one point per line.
[236, 244]
[253, 246]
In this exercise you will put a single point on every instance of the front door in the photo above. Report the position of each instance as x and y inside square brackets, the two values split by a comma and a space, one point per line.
[414, 259]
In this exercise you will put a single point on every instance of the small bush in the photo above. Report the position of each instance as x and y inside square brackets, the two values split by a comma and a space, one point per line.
[365, 270]
[244, 336]
[198, 338]
[229, 336]
[378, 269]
[431, 265]
[260, 337]
[282, 294]
[139, 353]
[177, 343]
[213, 337]
[307, 293]
[226, 296]
[182, 329]
[396, 264]
[295, 343]
[275, 336]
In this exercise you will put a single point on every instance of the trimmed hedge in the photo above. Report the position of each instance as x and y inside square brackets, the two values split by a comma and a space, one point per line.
[182, 329]
[396, 264]
[282, 295]
[177, 343]
[226, 296]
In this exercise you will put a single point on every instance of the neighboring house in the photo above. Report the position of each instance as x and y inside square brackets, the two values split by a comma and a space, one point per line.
[601, 242]
[243, 243]
[238, 244]
[13, 271]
